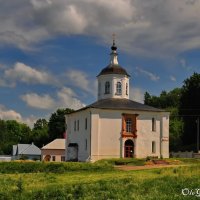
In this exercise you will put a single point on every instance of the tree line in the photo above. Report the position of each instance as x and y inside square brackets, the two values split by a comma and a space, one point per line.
[43, 131]
[184, 107]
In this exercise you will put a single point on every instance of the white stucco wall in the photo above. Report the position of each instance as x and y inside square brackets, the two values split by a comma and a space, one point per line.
[79, 136]
[113, 79]
[106, 134]
[106, 140]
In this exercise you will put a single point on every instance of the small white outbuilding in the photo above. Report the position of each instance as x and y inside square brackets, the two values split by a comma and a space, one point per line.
[115, 126]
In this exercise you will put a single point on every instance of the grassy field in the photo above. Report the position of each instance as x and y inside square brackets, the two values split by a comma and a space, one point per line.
[99, 181]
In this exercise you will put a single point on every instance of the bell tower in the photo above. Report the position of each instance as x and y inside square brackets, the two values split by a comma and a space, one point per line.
[113, 80]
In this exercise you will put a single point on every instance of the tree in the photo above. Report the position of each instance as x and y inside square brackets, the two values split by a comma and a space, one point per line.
[175, 129]
[165, 100]
[39, 135]
[170, 102]
[190, 108]
[57, 123]
[12, 132]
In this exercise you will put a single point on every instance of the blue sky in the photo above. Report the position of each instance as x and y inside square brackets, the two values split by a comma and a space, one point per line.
[52, 50]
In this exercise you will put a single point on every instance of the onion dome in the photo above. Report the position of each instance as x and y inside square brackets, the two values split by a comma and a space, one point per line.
[113, 67]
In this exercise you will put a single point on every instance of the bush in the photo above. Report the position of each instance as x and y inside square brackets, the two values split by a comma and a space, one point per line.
[34, 167]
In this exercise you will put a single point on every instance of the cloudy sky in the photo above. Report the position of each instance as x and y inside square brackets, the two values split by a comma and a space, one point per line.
[52, 50]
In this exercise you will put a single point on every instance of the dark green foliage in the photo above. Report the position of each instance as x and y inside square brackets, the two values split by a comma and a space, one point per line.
[39, 134]
[170, 102]
[184, 105]
[165, 100]
[56, 123]
[12, 132]
[176, 129]
[35, 167]
[190, 108]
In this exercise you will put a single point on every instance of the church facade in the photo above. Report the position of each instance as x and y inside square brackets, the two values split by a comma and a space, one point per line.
[115, 126]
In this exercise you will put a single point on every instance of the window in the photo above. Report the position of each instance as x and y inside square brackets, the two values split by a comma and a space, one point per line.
[128, 125]
[85, 123]
[99, 89]
[75, 125]
[153, 124]
[126, 88]
[153, 147]
[53, 158]
[119, 88]
[107, 87]
[62, 158]
[85, 144]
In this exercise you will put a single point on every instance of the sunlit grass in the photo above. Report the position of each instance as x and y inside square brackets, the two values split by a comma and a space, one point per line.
[162, 183]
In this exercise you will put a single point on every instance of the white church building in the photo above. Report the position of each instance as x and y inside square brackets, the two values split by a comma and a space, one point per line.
[115, 126]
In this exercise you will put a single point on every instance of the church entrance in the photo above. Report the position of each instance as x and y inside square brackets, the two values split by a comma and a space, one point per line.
[128, 149]
[72, 152]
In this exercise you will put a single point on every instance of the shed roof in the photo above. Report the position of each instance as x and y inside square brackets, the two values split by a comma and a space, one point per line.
[55, 144]
[26, 149]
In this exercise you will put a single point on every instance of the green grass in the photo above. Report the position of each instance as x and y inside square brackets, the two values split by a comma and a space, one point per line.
[98, 183]
[121, 161]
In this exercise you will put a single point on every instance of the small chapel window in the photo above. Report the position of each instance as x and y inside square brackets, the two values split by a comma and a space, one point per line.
[86, 144]
[119, 88]
[85, 123]
[153, 124]
[128, 125]
[107, 87]
[126, 88]
[75, 125]
[99, 89]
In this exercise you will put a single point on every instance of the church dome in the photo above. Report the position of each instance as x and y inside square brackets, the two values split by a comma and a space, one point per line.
[113, 69]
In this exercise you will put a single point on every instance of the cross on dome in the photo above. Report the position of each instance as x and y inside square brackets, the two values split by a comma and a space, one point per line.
[113, 55]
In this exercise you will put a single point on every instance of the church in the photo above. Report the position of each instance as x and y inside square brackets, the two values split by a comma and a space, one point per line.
[115, 126]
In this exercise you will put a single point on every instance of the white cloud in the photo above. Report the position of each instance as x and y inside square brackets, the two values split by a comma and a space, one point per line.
[27, 74]
[38, 101]
[65, 97]
[149, 27]
[150, 75]
[81, 80]
[186, 66]
[9, 114]
[137, 94]
[172, 78]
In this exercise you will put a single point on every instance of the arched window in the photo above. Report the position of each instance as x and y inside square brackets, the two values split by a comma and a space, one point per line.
[99, 89]
[126, 88]
[128, 125]
[119, 88]
[107, 87]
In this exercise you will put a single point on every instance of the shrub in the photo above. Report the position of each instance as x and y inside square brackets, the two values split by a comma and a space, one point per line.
[34, 167]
